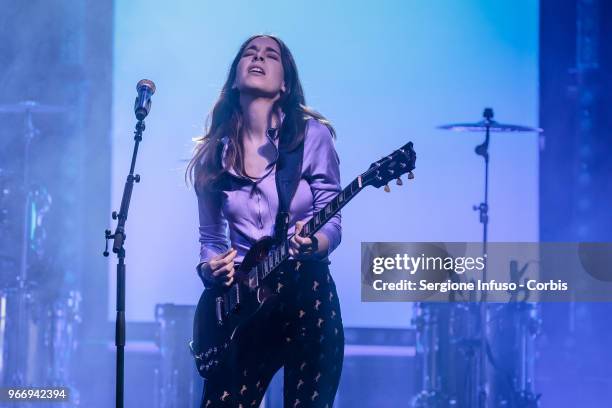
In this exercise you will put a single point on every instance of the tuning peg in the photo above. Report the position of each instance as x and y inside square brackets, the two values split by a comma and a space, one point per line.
[399, 181]
[387, 188]
[410, 175]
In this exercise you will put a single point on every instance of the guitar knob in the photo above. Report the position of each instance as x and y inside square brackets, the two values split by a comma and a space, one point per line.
[387, 188]
[399, 182]
[410, 175]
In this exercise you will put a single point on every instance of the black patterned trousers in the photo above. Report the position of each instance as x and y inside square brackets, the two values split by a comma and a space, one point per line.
[307, 340]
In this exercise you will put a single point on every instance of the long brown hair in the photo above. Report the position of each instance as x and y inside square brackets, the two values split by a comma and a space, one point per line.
[205, 166]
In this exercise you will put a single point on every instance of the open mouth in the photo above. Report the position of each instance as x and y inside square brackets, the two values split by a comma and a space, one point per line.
[256, 71]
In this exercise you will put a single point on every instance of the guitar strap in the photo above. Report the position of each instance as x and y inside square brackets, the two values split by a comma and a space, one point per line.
[288, 175]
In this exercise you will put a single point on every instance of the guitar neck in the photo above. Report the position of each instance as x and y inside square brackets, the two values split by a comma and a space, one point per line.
[326, 213]
[281, 253]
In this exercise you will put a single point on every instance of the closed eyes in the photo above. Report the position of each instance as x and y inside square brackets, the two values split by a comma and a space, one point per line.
[269, 55]
[271, 52]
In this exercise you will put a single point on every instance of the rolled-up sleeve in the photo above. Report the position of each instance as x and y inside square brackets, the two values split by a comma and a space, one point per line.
[323, 169]
[213, 226]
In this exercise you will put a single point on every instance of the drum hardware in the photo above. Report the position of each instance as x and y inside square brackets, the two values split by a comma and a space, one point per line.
[512, 329]
[37, 327]
[437, 326]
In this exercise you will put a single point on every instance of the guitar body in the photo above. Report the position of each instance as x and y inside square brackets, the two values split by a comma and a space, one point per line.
[218, 332]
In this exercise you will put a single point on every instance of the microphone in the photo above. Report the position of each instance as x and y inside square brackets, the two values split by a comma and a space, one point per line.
[142, 105]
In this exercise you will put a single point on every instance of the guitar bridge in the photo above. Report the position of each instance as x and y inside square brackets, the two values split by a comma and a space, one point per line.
[253, 280]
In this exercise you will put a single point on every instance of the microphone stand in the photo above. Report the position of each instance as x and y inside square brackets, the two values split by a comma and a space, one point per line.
[118, 239]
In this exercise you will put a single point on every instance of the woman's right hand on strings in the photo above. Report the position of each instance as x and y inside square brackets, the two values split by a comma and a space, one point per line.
[220, 269]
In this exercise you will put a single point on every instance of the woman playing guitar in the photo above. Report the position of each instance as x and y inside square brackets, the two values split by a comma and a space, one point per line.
[262, 107]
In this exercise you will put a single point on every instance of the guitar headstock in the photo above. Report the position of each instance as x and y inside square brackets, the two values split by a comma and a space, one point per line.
[391, 167]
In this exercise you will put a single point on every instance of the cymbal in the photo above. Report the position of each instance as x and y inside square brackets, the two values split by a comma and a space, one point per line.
[491, 124]
[30, 106]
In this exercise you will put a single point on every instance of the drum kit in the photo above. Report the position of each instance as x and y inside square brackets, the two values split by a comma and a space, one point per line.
[477, 355]
[38, 323]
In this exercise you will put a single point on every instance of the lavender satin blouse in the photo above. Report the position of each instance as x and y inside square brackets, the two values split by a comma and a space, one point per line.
[246, 211]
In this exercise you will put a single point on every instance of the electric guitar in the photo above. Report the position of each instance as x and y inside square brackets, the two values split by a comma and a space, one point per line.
[226, 317]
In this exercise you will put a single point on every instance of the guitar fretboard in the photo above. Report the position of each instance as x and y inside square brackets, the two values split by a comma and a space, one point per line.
[279, 254]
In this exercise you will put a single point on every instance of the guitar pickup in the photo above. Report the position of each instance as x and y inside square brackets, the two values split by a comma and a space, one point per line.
[219, 303]
[234, 299]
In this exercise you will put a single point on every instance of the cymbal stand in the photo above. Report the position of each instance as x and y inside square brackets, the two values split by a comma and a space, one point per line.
[483, 212]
